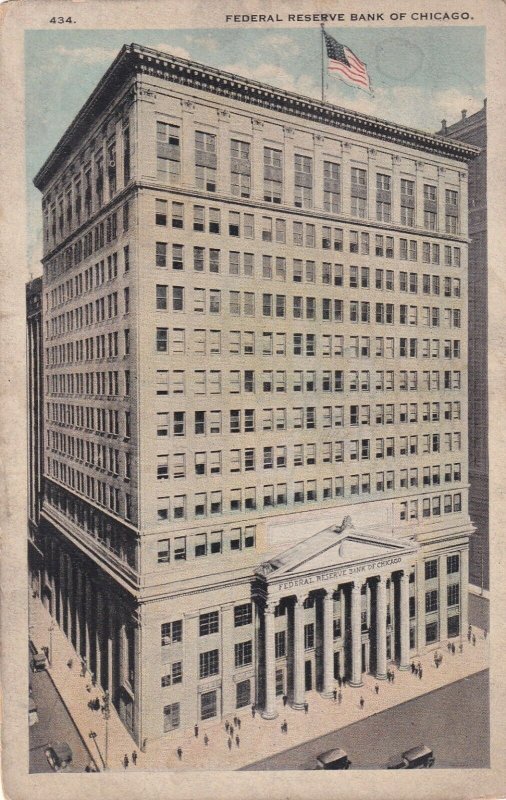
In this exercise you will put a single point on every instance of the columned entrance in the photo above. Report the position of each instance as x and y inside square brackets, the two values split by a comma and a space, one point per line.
[340, 618]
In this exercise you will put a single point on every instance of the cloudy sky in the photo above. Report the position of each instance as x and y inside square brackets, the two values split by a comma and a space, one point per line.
[419, 75]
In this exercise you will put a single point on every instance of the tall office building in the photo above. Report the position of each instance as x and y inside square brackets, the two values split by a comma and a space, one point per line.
[473, 130]
[35, 408]
[255, 344]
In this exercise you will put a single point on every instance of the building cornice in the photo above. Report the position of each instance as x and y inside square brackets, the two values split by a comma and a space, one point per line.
[135, 59]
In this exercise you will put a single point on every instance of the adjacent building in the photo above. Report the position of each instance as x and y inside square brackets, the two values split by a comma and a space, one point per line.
[473, 129]
[255, 392]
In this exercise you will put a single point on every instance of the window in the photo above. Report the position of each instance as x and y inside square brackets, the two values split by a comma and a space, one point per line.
[431, 601]
[243, 615]
[331, 187]
[208, 703]
[240, 168]
[205, 161]
[431, 570]
[303, 180]
[273, 175]
[171, 718]
[209, 623]
[243, 652]
[161, 212]
[452, 564]
[243, 694]
[171, 632]
[280, 644]
[168, 153]
[309, 636]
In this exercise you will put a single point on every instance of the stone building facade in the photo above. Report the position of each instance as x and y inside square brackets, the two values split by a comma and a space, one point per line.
[255, 356]
[473, 130]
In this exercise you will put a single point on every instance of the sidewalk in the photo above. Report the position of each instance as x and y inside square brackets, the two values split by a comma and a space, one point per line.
[259, 738]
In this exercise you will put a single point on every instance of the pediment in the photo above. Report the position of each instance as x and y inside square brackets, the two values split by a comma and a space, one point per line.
[335, 547]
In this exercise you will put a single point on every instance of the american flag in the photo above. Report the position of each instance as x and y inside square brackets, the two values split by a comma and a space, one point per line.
[348, 67]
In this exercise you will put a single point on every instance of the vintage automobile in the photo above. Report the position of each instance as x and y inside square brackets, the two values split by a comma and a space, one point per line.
[39, 662]
[33, 717]
[333, 759]
[415, 758]
[59, 755]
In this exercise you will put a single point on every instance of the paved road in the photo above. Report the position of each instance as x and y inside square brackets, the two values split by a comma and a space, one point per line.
[453, 721]
[54, 723]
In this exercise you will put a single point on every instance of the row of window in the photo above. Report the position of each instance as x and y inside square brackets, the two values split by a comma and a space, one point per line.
[209, 622]
[183, 548]
[325, 309]
[168, 139]
[104, 494]
[204, 504]
[99, 420]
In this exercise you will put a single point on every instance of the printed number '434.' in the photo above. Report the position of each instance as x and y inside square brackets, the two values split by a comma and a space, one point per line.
[60, 20]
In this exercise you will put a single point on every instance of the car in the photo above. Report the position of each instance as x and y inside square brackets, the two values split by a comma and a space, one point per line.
[415, 758]
[39, 662]
[33, 717]
[333, 759]
[59, 755]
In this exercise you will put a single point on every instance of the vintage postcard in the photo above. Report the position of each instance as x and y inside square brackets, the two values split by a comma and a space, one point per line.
[252, 328]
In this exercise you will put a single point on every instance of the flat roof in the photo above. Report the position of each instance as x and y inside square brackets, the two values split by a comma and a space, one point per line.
[136, 59]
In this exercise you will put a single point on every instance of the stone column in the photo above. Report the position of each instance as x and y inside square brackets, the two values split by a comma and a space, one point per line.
[228, 659]
[257, 160]
[223, 153]
[269, 710]
[187, 148]
[464, 590]
[356, 636]
[404, 621]
[381, 629]
[443, 599]
[98, 636]
[298, 654]
[87, 619]
[328, 645]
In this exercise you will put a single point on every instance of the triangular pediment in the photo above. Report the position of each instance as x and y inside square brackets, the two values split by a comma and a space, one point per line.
[335, 546]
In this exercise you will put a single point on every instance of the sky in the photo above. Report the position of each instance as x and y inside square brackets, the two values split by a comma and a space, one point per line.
[419, 76]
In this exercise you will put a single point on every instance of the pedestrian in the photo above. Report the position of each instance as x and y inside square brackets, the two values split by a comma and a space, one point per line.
[179, 753]
[237, 741]
[449, 647]
[206, 739]
[125, 761]
[231, 731]
[377, 688]
[196, 731]
[229, 743]
[70, 663]
[239, 723]
[420, 673]
[340, 697]
[227, 725]
[453, 649]
[437, 663]
[413, 667]
[393, 676]
[253, 710]
[306, 708]
[134, 757]
[416, 670]
[285, 699]
[474, 640]
[334, 694]
[285, 726]
[235, 722]
[461, 648]
[469, 634]
[362, 702]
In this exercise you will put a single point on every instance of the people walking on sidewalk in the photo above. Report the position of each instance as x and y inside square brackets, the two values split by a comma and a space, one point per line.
[377, 688]
[179, 752]
[125, 761]
[362, 702]
[227, 725]
[253, 710]
[461, 648]
[238, 722]
[206, 739]
[453, 648]
[306, 708]
[196, 731]
[229, 743]
[134, 757]
[420, 673]
[285, 699]
[469, 633]
[237, 741]
[334, 694]
[474, 640]
[413, 668]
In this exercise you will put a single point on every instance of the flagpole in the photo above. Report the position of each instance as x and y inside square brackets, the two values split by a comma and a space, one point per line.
[323, 65]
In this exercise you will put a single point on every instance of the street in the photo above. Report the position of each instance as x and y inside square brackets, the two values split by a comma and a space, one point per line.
[453, 721]
[55, 724]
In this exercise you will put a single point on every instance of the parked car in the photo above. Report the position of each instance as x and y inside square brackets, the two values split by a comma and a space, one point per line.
[33, 717]
[333, 759]
[39, 662]
[59, 755]
[415, 758]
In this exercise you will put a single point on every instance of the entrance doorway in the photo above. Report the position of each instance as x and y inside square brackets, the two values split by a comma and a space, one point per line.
[308, 668]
